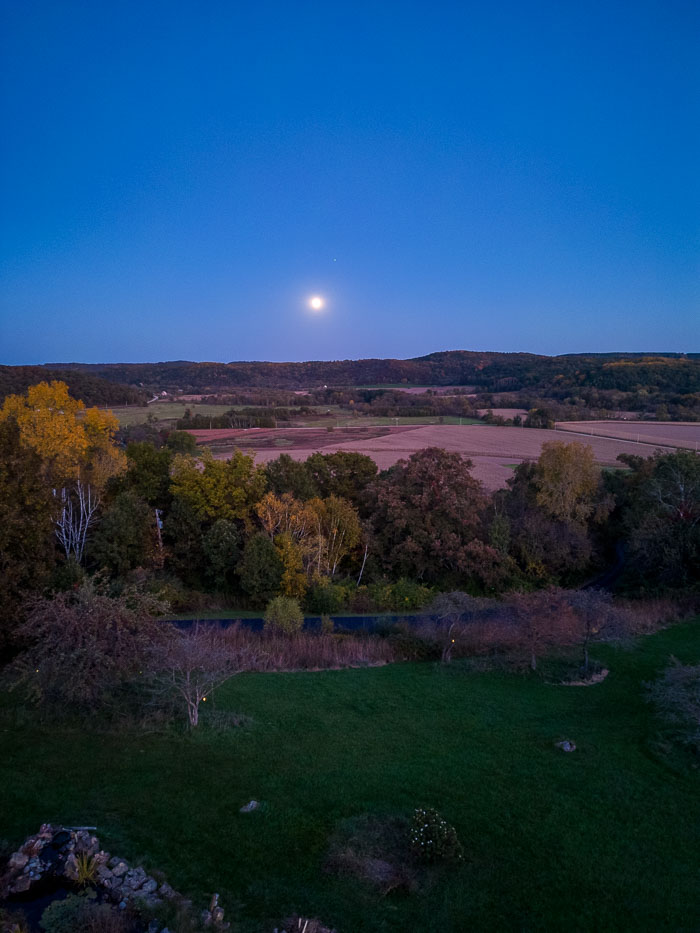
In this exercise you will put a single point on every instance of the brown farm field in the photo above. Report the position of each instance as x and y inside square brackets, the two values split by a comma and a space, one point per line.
[664, 433]
[494, 450]
[292, 438]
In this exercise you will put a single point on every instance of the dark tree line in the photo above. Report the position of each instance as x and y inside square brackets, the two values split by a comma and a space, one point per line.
[92, 389]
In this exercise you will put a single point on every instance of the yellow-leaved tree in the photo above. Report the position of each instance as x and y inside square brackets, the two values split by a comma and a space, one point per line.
[78, 454]
[338, 531]
[568, 480]
[285, 515]
[294, 579]
[317, 534]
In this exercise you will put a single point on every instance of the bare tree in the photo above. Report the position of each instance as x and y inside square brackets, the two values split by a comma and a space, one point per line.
[544, 620]
[595, 617]
[194, 662]
[453, 611]
[79, 506]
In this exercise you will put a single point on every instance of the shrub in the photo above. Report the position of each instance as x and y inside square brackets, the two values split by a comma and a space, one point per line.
[375, 849]
[380, 594]
[402, 596]
[13, 922]
[327, 598]
[284, 614]
[83, 645]
[81, 913]
[172, 592]
[327, 626]
[361, 601]
[413, 643]
[406, 596]
[434, 839]
[676, 696]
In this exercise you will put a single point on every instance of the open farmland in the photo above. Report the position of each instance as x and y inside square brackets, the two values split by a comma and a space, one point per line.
[494, 450]
[164, 412]
[657, 433]
[291, 438]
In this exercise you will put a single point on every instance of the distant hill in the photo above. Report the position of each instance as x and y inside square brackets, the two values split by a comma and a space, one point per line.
[85, 385]
[489, 372]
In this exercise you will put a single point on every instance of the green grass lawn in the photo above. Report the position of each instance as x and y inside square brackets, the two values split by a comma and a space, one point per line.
[604, 839]
[165, 411]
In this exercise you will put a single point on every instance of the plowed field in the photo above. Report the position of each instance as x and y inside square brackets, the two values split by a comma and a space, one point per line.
[666, 433]
[494, 450]
[292, 438]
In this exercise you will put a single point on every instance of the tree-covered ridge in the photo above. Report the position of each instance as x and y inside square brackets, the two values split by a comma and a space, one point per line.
[87, 386]
[489, 372]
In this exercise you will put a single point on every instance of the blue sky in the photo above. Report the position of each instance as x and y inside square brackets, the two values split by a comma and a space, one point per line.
[178, 178]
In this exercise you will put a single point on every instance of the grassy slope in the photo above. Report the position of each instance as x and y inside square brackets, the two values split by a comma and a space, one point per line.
[605, 838]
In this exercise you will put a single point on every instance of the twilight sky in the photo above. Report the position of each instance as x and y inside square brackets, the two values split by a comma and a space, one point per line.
[178, 178]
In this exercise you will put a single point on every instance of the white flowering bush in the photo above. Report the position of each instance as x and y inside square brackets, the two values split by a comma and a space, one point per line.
[433, 839]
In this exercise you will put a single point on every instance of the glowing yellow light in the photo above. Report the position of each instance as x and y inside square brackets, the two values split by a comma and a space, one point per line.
[316, 303]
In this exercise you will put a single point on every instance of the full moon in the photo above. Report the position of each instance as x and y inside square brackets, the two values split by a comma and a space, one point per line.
[316, 303]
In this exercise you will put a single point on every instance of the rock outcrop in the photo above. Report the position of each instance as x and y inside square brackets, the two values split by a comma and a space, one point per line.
[73, 855]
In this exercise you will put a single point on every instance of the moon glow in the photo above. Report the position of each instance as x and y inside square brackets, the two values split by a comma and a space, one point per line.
[317, 303]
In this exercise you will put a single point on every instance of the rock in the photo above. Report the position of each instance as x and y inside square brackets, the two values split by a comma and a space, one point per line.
[22, 884]
[54, 853]
[135, 878]
[217, 915]
[104, 874]
[116, 891]
[32, 846]
[86, 843]
[111, 884]
[70, 869]
[17, 861]
[566, 745]
[249, 807]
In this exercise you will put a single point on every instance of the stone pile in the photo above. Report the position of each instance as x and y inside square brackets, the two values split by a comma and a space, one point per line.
[53, 855]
